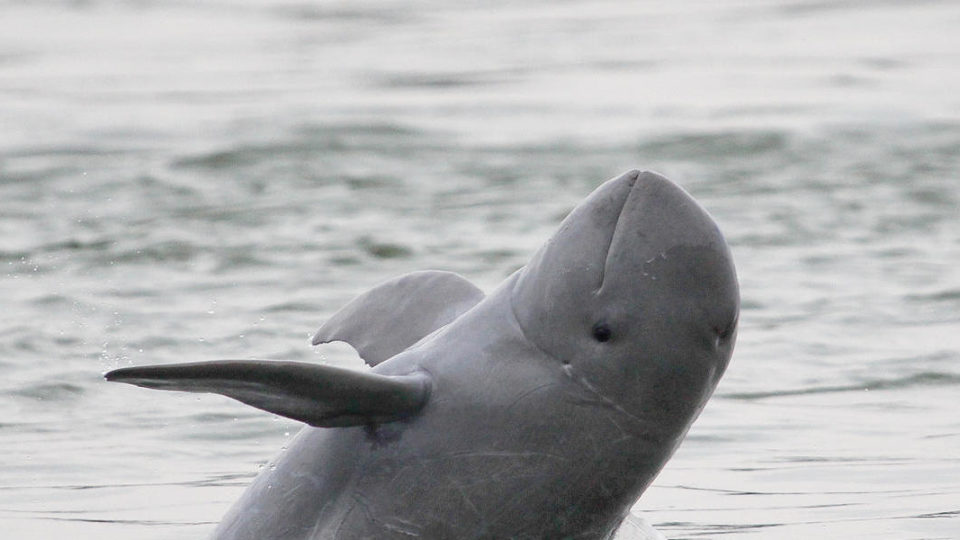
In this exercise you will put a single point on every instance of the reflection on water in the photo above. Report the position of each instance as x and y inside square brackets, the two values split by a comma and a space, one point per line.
[186, 182]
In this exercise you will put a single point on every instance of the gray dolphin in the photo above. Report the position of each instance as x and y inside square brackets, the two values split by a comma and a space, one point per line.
[540, 411]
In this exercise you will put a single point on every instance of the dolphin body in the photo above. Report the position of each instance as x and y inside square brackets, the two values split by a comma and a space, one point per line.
[543, 410]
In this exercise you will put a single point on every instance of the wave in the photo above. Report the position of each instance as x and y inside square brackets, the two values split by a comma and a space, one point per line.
[930, 378]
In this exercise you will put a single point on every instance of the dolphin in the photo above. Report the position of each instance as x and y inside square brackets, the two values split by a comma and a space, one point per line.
[541, 410]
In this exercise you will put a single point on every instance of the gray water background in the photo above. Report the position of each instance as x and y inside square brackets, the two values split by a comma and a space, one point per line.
[197, 180]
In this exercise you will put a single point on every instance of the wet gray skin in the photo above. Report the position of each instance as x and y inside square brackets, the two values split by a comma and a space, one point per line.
[540, 411]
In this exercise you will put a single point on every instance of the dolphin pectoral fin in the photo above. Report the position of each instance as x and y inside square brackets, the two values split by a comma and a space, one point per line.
[322, 396]
[396, 314]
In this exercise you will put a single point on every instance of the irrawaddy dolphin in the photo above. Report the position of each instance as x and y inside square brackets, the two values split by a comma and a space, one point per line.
[542, 410]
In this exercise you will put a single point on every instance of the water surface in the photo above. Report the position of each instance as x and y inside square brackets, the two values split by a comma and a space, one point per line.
[183, 181]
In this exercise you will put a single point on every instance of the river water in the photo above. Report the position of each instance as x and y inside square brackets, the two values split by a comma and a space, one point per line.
[198, 180]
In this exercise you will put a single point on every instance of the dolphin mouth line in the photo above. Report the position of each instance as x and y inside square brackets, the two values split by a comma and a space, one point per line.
[634, 181]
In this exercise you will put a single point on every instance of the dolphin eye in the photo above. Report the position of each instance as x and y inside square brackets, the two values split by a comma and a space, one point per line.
[602, 332]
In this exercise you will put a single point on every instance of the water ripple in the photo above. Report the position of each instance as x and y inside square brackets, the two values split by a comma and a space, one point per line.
[918, 379]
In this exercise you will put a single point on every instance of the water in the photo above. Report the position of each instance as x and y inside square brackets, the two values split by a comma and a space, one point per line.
[183, 181]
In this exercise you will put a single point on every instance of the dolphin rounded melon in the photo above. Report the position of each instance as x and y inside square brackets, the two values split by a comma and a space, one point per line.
[541, 410]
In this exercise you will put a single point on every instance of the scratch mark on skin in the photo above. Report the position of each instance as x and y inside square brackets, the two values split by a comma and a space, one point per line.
[358, 500]
[528, 393]
[397, 525]
[496, 454]
[508, 454]
[400, 529]
[602, 400]
[510, 504]
[465, 496]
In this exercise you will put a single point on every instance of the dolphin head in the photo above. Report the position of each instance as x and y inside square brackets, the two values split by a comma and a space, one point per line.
[636, 298]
